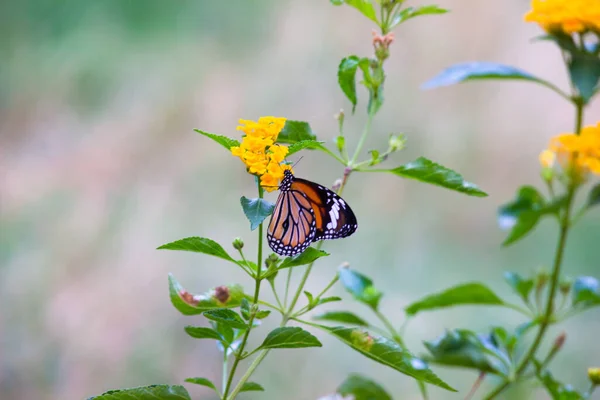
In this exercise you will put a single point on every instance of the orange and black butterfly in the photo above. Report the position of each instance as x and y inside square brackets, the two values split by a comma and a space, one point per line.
[306, 212]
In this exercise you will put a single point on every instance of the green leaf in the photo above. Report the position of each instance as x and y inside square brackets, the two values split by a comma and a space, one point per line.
[522, 214]
[152, 392]
[347, 79]
[309, 297]
[465, 349]
[519, 285]
[295, 131]
[479, 70]
[345, 317]
[361, 388]
[227, 317]
[203, 382]
[190, 304]
[327, 300]
[584, 69]
[198, 332]
[586, 291]
[304, 144]
[224, 141]
[306, 257]
[594, 196]
[262, 314]
[375, 157]
[198, 245]
[427, 171]
[251, 387]
[558, 390]
[289, 338]
[225, 331]
[364, 6]
[245, 309]
[411, 12]
[386, 352]
[256, 210]
[360, 287]
[465, 294]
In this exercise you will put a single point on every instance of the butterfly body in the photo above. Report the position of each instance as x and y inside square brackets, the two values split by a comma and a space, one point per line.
[306, 212]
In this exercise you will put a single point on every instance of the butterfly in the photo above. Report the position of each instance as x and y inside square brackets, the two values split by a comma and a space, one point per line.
[306, 212]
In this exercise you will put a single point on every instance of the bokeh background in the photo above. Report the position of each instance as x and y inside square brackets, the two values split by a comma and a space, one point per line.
[99, 166]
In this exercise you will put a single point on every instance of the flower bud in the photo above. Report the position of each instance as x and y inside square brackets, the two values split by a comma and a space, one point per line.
[565, 286]
[271, 260]
[340, 116]
[336, 185]
[238, 243]
[541, 278]
[397, 142]
[222, 294]
[594, 375]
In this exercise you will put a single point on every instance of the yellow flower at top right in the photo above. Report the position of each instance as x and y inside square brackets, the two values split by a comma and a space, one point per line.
[568, 16]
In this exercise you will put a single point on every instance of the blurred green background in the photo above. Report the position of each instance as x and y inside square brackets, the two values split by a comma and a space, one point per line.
[99, 166]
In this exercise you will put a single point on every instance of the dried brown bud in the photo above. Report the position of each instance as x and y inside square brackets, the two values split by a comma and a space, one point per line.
[188, 298]
[222, 294]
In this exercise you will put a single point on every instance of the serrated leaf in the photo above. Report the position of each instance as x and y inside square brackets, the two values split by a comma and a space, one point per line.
[360, 286]
[465, 349]
[586, 291]
[289, 338]
[251, 387]
[345, 317]
[190, 304]
[306, 257]
[203, 382]
[225, 331]
[304, 144]
[479, 70]
[584, 69]
[256, 210]
[198, 245]
[411, 12]
[347, 79]
[594, 196]
[466, 294]
[152, 392]
[364, 6]
[227, 317]
[519, 285]
[361, 388]
[386, 352]
[224, 141]
[295, 131]
[198, 332]
[427, 171]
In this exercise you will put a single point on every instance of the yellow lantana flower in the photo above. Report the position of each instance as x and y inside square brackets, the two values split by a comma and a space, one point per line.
[259, 152]
[586, 147]
[568, 16]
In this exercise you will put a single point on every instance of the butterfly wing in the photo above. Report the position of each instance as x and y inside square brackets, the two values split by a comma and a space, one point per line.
[334, 219]
[292, 227]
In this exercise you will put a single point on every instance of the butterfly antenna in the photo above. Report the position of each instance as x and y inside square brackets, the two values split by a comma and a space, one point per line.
[294, 164]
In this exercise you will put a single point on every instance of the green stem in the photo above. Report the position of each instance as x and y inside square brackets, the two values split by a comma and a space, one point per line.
[547, 317]
[276, 295]
[287, 288]
[391, 331]
[247, 375]
[363, 138]
[224, 378]
[258, 280]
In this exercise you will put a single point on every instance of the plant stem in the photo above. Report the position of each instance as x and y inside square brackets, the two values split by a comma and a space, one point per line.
[363, 138]
[547, 317]
[247, 375]
[287, 287]
[258, 280]
[224, 379]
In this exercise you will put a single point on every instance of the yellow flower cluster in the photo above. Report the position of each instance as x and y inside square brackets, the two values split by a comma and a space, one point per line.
[586, 145]
[568, 16]
[259, 152]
